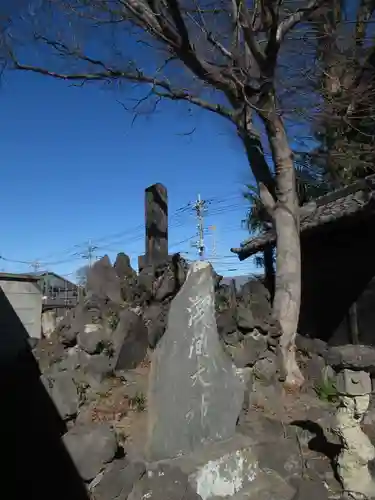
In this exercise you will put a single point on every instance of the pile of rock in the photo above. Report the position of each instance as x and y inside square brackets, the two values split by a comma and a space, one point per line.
[88, 365]
[189, 426]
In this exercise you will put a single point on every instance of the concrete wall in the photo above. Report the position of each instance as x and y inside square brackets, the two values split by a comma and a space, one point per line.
[26, 300]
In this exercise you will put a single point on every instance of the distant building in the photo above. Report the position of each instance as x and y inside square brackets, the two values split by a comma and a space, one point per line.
[23, 295]
[58, 292]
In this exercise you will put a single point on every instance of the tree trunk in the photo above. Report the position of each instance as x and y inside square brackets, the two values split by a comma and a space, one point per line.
[269, 271]
[286, 305]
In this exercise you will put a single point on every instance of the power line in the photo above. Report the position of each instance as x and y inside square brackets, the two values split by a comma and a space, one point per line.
[135, 233]
[221, 204]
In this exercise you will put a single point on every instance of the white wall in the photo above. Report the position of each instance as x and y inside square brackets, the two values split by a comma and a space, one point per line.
[26, 299]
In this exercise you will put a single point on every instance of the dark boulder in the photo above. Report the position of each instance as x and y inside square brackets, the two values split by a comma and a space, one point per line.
[164, 483]
[354, 357]
[226, 323]
[130, 341]
[118, 479]
[91, 338]
[127, 276]
[63, 392]
[123, 268]
[103, 282]
[91, 447]
[155, 318]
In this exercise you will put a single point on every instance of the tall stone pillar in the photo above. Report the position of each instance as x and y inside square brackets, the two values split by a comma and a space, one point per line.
[156, 225]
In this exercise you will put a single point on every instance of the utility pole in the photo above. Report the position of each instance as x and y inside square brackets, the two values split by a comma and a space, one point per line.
[35, 266]
[89, 253]
[199, 207]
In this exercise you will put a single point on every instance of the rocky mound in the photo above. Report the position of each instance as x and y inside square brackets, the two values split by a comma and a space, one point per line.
[96, 370]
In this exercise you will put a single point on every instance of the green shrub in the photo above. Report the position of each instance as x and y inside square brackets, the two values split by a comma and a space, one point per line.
[106, 347]
[326, 390]
[113, 320]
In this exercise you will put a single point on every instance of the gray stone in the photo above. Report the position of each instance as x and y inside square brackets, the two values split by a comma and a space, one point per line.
[155, 318]
[203, 398]
[63, 392]
[145, 281]
[311, 346]
[226, 323]
[48, 323]
[261, 429]
[232, 339]
[130, 341]
[369, 418]
[229, 469]
[91, 338]
[245, 319]
[252, 348]
[74, 323]
[165, 482]
[353, 383]
[254, 292]
[67, 328]
[310, 490]
[315, 371]
[255, 297]
[117, 480]
[127, 275]
[71, 361]
[123, 267]
[357, 357]
[103, 282]
[265, 369]
[91, 447]
[165, 286]
[265, 397]
[285, 458]
[97, 367]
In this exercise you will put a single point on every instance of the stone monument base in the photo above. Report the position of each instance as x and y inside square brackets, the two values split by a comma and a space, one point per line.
[229, 470]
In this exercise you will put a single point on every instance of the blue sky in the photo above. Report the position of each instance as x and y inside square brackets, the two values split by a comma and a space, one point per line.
[74, 168]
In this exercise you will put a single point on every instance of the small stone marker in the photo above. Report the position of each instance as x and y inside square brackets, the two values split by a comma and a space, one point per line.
[196, 392]
[353, 383]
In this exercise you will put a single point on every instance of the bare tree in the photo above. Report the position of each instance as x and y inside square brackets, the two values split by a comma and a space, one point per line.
[346, 83]
[221, 56]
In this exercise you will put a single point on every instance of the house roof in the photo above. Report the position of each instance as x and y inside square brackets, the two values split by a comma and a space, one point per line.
[345, 202]
[40, 274]
[17, 277]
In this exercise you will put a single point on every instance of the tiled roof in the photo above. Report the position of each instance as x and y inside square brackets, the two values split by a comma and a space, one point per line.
[346, 202]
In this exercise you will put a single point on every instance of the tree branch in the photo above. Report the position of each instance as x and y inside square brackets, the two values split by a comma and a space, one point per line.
[298, 16]
[214, 108]
[137, 77]
[249, 35]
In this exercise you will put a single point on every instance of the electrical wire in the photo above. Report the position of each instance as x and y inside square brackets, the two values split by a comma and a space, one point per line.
[216, 207]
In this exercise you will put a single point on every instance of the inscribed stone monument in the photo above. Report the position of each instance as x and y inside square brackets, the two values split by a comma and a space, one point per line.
[196, 392]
